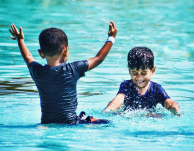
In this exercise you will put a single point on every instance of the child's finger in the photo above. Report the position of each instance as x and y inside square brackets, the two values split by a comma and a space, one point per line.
[13, 38]
[12, 27]
[21, 30]
[11, 32]
[16, 30]
[113, 24]
[110, 27]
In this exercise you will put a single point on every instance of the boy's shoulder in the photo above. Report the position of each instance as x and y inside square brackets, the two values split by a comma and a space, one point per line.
[127, 81]
[157, 88]
[155, 84]
[75, 63]
[127, 84]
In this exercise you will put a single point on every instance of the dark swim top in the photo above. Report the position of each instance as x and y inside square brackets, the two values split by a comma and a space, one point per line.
[57, 90]
[133, 100]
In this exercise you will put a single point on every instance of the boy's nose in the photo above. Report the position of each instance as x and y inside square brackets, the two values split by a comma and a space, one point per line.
[139, 76]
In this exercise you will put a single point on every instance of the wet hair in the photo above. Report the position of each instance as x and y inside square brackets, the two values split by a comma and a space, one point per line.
[52, 41]
[140, 58]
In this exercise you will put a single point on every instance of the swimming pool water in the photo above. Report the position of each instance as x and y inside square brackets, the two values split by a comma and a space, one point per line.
[167, 27]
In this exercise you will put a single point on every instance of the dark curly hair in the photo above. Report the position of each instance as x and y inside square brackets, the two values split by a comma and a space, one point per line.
[140, 58]
[52, 41]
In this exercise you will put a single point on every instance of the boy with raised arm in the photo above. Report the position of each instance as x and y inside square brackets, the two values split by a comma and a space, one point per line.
[140, 92]
[56, 81]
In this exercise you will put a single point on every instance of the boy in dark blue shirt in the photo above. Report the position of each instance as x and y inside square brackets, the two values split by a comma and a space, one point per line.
[140, 92]
[57, 80]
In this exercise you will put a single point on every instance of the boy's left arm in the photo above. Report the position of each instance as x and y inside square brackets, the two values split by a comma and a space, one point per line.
[19, 36]
[101, 55]
[172, 106]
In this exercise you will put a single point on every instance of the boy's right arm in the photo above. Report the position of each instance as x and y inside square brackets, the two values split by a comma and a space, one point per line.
[116, 103]
[19, 36]
[93, 62]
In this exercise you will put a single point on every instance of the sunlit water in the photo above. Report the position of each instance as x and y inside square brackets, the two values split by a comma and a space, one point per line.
[167, 27]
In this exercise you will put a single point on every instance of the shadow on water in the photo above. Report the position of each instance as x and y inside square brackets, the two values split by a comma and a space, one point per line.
[17, 85]
[25, 85]
[19, 126]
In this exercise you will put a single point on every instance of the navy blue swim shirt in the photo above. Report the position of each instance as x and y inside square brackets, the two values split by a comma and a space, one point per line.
[133, 100]
[57, 90]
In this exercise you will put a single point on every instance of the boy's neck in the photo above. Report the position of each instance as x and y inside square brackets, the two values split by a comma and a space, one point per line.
[142, 91]
[55, 61]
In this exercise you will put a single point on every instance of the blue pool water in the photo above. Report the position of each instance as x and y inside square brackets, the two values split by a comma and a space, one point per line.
[167, 27]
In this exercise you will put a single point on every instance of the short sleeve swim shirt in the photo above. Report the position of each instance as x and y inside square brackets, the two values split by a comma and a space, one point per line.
[133, 100]
[57, 90]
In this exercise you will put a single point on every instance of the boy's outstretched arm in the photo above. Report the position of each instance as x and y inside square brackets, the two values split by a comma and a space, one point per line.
[93, 62]
[172, 106]
[19, 36]
[116, 103]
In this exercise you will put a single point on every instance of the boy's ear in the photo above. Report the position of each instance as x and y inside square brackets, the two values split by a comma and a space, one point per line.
[153, 70]
[41, 54]
[65, 51]
[129, 70]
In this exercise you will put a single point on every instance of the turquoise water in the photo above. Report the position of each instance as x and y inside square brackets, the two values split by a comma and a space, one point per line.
[167, 27]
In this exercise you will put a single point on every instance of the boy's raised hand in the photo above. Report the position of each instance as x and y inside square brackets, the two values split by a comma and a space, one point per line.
[16, 35]
[19, 36]
[112, 29]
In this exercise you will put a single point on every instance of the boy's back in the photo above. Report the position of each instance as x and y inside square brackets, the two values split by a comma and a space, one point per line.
[57, 90]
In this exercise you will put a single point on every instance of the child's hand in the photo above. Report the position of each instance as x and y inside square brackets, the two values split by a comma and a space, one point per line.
[175, 109]
[16, 35]
[112, 29]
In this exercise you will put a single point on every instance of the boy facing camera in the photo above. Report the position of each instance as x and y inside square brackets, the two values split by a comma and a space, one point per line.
[140, 92]
[57, 80]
